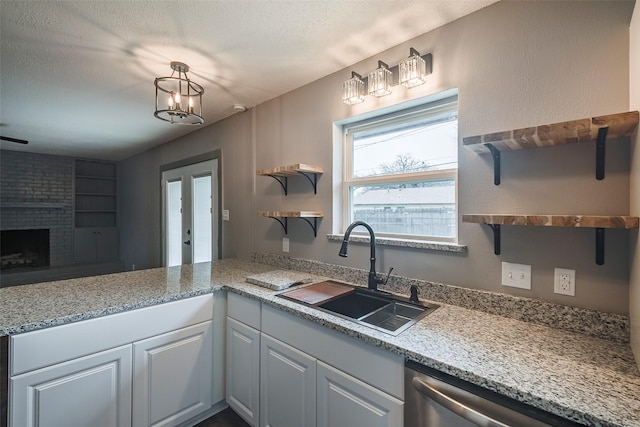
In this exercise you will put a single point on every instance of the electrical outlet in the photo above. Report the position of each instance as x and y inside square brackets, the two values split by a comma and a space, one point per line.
[285, 244]
[516, 275]
[564, 281]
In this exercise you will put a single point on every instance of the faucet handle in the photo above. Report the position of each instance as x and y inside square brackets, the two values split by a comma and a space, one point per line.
[388, 274]
[414, 293]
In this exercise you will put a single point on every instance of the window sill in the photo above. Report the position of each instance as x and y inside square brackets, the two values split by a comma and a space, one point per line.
[403, 243]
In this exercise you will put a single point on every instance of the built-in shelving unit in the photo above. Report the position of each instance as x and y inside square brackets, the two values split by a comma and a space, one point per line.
[282, 174]
[598, 222]
[95, 211]
[311, 218]
[596, 129]
[95, 194]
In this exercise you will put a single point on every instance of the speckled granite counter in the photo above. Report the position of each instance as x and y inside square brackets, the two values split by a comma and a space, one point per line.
[588, 379]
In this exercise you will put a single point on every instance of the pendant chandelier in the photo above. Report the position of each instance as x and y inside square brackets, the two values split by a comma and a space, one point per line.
[178, 99]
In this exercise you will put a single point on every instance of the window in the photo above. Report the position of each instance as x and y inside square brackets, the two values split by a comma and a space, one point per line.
[401, 172]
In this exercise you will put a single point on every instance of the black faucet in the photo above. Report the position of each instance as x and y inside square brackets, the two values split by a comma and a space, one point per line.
[374, 279]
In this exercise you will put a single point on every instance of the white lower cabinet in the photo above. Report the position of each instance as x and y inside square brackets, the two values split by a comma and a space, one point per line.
[347, 401]
[243, 370]
[305, 375]
[92, 391]
[146, 367]
[172, 376]
[287, 385]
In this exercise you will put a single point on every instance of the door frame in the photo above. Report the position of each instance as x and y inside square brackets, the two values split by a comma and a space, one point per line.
[210, 155]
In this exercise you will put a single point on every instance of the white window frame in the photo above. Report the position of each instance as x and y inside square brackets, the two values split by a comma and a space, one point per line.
[439, 110]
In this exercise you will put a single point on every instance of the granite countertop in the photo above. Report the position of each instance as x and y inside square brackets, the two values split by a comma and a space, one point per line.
[587, 379]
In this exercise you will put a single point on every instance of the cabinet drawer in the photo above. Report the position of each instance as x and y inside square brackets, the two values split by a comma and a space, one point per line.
[33, 350]
[243, 309]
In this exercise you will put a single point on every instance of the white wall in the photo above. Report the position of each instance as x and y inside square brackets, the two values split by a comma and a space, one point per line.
[634, 104]
[515, 64]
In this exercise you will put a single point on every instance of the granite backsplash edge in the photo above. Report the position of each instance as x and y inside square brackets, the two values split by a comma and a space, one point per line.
[611, 326]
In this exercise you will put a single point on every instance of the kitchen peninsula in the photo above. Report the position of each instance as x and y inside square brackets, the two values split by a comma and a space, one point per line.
[586, 379]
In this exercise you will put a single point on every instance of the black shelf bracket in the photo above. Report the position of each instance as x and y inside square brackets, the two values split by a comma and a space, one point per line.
[600, 246]
[495, 154]
[283, 182]
[313, 181]
[284, 222]
[600, 149]
[496, 237]
[312, 177]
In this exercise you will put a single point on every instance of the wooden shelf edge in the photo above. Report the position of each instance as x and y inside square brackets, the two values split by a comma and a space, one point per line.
[290, 170]
[291, 214]
[584, 221]
[573, 131]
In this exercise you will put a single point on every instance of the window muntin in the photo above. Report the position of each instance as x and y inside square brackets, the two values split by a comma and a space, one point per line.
[401, 172]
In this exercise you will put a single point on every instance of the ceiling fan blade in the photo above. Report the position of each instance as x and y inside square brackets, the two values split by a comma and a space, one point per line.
[19, 141]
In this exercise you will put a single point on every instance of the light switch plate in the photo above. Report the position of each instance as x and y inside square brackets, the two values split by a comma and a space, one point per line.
[516, 275]
[225, 215]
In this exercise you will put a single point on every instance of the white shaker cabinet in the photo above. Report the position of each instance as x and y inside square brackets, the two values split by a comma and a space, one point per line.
[150, 366]
[287, 385]
[347, 401]
[243, 357]
[307, 374]
[172, 376]
[93, 391]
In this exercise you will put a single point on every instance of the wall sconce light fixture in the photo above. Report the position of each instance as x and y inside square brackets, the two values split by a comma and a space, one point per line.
[380, 80]
[353, 89]
[411, 72]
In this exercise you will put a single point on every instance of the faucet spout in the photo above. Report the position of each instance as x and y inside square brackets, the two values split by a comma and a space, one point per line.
[374, 279]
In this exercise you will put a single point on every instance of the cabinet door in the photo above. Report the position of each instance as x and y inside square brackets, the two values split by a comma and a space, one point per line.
[92, 244]
[89, 391]
[347, 401]
[172, 376]
[287, 385]
[107, 244]
[243, 370]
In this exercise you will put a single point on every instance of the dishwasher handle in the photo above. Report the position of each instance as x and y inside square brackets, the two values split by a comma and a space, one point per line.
[455, 406]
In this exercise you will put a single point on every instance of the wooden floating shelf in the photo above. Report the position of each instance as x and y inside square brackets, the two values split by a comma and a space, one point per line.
[573, 131]
[282, 173]
[590, 221]
[599, 222]
[310, 217]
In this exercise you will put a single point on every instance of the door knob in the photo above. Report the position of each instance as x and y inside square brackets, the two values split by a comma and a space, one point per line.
[188, 242]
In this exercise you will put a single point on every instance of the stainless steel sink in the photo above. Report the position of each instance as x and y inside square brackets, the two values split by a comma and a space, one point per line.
[385, 312]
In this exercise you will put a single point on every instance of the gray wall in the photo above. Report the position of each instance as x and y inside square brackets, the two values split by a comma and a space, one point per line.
[515, 64]
[634, 103]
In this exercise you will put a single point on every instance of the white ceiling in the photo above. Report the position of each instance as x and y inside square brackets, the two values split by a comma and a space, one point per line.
[76, 77]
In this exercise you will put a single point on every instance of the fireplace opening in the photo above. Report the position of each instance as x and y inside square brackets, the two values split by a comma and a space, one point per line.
[24, 249]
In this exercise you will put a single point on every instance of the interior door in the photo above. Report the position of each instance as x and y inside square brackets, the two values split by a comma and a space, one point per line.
[190, 213]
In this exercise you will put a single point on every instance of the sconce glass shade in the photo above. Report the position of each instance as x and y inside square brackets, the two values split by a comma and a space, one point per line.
[353, 90]
[178, 99]
[379, 80]
[413, 70]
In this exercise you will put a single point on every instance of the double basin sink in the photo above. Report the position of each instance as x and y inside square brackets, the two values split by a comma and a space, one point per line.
[379, 310]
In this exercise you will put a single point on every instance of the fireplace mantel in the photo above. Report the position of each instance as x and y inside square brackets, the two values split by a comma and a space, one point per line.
[32, 205]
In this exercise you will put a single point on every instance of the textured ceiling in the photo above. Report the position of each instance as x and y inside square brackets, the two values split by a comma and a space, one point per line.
[76, 77]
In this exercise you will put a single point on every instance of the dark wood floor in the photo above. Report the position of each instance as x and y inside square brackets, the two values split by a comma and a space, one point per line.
[226, 418]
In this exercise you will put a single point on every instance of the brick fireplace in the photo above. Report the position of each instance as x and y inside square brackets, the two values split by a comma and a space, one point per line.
[22, 250]
[36, 193]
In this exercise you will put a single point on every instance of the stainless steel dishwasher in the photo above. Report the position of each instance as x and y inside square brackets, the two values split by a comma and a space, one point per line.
[435, 399]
